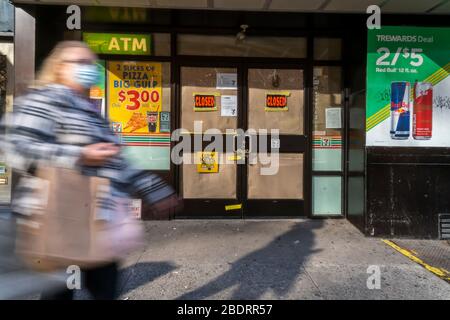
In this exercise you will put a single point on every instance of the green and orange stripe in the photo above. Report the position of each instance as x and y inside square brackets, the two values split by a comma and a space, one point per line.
[335, 142]
[147, 140]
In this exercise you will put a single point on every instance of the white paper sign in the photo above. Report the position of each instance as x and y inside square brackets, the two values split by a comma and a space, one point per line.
[333, 118]
[226, 81]
[228, 106]
[136, 208]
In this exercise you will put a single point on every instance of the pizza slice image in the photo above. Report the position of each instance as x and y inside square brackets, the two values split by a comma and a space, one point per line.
[136, 122]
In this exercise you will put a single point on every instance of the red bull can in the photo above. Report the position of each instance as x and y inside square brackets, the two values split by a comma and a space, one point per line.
[400, 110]
[423, 111]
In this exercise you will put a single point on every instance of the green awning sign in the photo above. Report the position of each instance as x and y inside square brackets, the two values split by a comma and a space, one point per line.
[119, 43]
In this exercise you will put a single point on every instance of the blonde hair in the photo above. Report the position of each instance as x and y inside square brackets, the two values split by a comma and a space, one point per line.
[48, 72]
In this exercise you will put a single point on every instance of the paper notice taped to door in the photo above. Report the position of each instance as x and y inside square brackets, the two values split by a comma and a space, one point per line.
[136, 208]
[333, 118]
[226, 81]
[228, 106]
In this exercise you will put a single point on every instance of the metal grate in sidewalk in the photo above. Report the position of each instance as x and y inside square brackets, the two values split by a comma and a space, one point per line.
[434, 255]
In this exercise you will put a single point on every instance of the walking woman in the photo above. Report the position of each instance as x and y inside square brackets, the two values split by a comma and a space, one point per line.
[56, 125]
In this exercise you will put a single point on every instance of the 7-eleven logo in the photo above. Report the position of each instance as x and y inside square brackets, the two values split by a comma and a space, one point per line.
[325, 142]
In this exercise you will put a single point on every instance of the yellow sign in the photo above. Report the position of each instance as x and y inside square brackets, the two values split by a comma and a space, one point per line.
[205, 101]
[134, 96]
[207, 162]
[233, 207]
[118, 43]
[277, 101]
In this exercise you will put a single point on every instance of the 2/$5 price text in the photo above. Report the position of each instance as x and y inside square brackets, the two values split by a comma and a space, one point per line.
[226, 309]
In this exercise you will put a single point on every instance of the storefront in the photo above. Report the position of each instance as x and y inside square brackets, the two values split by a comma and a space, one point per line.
[284, 90]
[6, 86]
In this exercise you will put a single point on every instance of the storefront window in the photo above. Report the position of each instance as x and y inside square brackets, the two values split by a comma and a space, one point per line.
[327, 140]
[286, 184]
[218, 185]
[201, 82]
[287, 116]
[139, 111]
[357, 120]
[278, 81]
[6, 90]
[327, 119]
[280, 47]
[327, 49]
[161, 44]
[3, 81]
[327, 199]
[208, 99]
[355, 196]
[6, 16]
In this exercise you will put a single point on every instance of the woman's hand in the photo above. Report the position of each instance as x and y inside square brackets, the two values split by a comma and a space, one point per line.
[98, 153]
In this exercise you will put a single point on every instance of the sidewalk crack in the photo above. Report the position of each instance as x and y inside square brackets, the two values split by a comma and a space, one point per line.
[314, 282]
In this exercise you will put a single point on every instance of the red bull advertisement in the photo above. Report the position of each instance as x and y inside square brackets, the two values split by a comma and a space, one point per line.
[423, 111]
[401, 59]
[400, 110]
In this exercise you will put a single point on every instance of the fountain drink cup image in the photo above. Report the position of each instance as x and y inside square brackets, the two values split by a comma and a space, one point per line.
[400, 105]
[423, 111]
[152, 119]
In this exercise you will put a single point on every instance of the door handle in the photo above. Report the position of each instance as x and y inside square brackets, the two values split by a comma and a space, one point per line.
[238, 152]
[250, 144]
[247, 144]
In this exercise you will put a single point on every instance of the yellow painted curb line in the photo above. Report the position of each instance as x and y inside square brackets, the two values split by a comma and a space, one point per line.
[440, 272]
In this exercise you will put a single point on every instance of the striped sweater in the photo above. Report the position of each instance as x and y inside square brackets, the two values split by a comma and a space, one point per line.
[49, 127]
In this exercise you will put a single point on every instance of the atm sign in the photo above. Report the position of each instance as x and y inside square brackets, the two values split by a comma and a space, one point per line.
[118, 43]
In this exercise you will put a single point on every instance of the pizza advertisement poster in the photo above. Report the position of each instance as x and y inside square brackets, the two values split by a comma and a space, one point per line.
[134, 100]
[134, 96]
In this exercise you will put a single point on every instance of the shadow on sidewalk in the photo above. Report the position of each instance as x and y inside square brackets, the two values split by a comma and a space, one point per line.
[141, 273]
[274, 267]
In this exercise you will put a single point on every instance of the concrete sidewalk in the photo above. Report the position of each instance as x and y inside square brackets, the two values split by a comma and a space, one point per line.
[271, 259]
[434, 255]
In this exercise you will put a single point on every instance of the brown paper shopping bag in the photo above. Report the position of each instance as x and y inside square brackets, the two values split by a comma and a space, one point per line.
[66, 230]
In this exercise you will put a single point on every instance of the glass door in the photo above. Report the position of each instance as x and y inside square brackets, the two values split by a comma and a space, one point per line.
[210, 112]
[327, 155]
[244, 142]
[276, 143]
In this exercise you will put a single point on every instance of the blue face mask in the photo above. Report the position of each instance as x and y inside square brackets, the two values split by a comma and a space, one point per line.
[86, 75]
